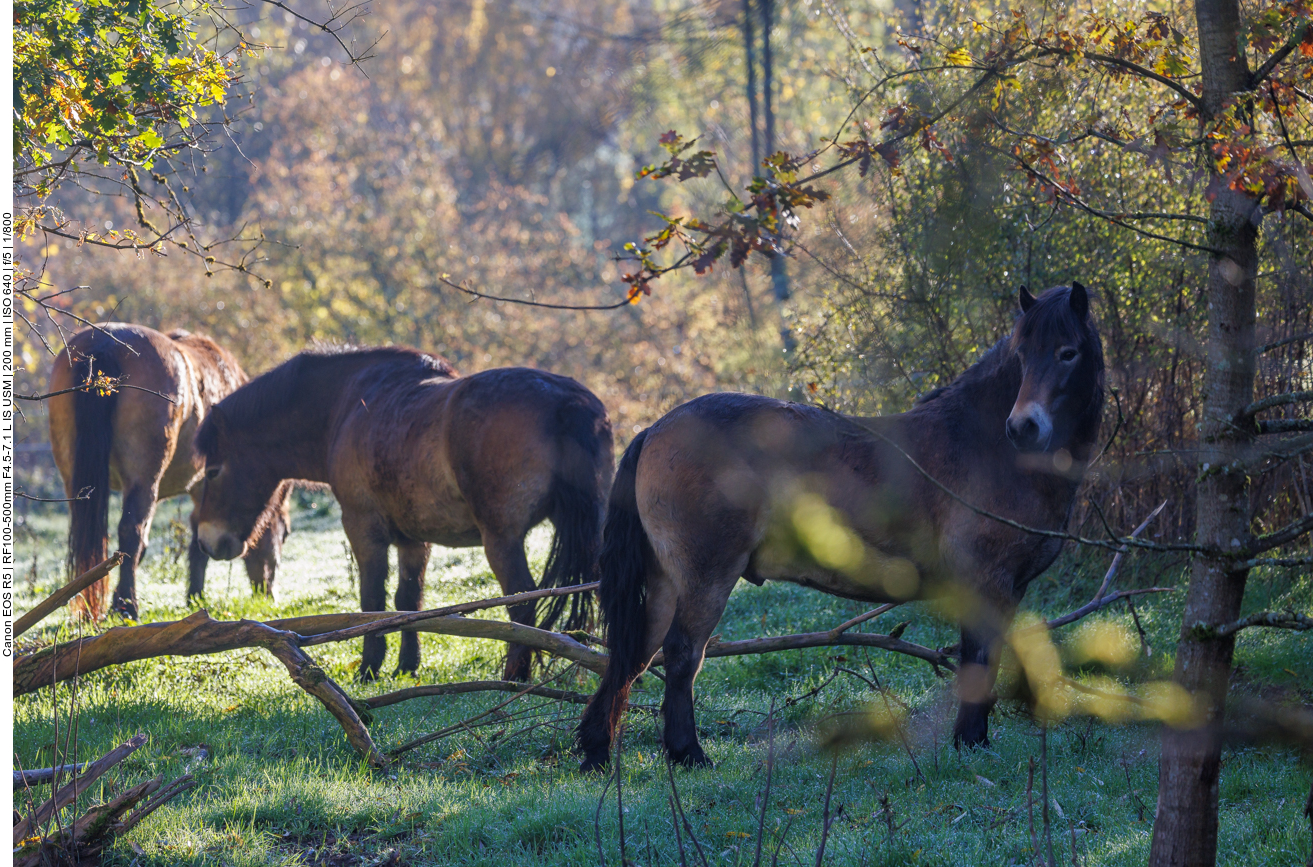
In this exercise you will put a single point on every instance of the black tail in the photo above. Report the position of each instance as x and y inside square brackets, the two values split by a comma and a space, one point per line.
[578, 493]
[93, 420]
[626, 556]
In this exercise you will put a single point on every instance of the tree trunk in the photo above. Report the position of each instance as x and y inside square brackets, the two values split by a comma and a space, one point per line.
[1185, 830]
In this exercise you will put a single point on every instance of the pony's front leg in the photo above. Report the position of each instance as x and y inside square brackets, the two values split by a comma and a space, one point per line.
[369, 539]
[412, 561]
[506, 557]
[981, 645]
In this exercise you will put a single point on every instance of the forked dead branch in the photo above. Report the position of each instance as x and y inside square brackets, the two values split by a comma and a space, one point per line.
[199, 634]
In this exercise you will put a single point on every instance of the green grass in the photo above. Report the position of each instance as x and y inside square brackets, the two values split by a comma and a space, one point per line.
[281, 786]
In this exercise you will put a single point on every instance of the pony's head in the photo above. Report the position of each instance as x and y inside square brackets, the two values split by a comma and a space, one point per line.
[240, 493]
[1061, 397]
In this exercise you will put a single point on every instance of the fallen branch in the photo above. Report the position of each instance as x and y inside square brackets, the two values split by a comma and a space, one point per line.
[67, 592]
[395, 622]
[69, 792]
[39, 776]
[193, 636]
[823, 639]
[471, 686]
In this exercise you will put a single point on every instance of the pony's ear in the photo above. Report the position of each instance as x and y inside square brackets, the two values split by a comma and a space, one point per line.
[1080, 301]
[1026, 299]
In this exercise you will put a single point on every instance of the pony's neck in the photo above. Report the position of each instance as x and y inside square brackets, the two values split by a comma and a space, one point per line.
[294, 433]
[988, 390]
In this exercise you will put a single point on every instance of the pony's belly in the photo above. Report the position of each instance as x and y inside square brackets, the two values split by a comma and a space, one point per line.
[867, 574]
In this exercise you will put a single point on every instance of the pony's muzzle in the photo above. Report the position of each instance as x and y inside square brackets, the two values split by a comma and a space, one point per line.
[1029, 428]
[218, 542]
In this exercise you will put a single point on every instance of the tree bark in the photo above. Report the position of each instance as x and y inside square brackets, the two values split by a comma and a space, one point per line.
[1185, 830]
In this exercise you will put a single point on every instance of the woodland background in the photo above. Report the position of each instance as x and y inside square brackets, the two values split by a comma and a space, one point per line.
[497, 145]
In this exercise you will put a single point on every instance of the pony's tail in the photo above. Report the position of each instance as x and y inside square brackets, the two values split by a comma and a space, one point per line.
[578, 495]
[626, 557]
[93, 435]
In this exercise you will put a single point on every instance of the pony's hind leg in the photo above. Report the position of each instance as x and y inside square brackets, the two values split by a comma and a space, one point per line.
[506, 557]
[698, 612]
[369, 540]
[134, 533]
[412, 561]
[603, 713]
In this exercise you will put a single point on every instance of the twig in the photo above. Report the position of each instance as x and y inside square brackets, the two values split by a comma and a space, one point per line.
[825, 814]
[1030, 805]
[619, 795]
[1117, 558]
[1044, 787]
[597, 823]
[862, 618]
[419, 742]
[67, 592]
[1090, 607]
[674, 790]
[770, 772]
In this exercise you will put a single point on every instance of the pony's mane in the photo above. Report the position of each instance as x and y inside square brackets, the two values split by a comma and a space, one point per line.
[1051, 313]
[276, 388]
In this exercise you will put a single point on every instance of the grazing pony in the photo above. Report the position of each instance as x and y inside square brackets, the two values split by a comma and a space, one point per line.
[417, 454]
[141, 444]
[733, 485]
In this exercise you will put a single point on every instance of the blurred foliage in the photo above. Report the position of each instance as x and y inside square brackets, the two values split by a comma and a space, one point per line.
[105, 84]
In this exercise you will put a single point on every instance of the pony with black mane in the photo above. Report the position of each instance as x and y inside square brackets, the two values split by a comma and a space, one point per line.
[138, 440]
[417, 454]
[731, 486]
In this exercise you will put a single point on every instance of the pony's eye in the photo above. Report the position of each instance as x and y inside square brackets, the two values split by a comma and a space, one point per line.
[1067, 354]
[211, 472]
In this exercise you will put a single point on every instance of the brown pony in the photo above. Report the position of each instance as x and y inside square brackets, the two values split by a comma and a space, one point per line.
[140, 443]
[732, 485]
[417, 454]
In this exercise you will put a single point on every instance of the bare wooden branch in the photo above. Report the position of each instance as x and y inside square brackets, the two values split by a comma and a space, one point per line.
[402, 619]
[1276, 400]
[1102, 602]
[862, 618]
[37, 776]
[69, 792]
[468, 687]
[67, 592]
[1277, 538]
[1285, 425]
[823, 639]
[1270, 619]
[193, 636]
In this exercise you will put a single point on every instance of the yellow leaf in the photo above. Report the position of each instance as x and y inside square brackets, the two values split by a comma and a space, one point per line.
[958, 57]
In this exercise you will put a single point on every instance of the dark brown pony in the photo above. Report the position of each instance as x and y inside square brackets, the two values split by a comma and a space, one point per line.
[417, 454]
[137, 442]
[732, 485]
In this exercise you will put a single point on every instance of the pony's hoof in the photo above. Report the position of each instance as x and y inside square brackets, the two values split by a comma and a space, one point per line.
[125, 608]
[367, 675]
[694, 758]
[594, 764]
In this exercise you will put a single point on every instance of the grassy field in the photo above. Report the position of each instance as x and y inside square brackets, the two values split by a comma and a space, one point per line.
[281, 786]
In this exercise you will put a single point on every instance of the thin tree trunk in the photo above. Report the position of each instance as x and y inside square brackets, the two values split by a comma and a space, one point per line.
[779, 276]
[1185, 830]
[750, 46]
